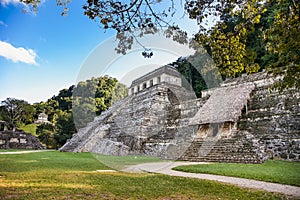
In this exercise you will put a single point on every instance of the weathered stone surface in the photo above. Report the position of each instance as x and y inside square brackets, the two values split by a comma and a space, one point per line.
[149, 122]
[155, 122]
[18, 140]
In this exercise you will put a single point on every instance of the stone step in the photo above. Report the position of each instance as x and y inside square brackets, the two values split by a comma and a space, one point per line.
[240, 160]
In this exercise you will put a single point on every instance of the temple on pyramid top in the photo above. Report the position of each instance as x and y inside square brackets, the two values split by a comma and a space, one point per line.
[165, 74]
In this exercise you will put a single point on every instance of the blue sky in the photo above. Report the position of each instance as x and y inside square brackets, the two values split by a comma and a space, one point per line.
[43, 53]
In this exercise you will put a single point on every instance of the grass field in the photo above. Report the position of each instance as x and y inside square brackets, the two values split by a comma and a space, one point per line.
[272, 171]
[120, 162]
[58, 175]
[14, 150]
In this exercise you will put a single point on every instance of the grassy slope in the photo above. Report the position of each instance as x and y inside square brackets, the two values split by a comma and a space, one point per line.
[272, 171]
[56, 175]
[29, 128]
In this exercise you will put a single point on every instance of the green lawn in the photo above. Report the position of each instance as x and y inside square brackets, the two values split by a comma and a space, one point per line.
[120, 162]
[277, 171]
[13, 150]
[58, 175]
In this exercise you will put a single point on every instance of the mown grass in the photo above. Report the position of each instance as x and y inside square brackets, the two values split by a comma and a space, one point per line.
[14, 150]
[276, 171]
[57, 175]
[120, 162]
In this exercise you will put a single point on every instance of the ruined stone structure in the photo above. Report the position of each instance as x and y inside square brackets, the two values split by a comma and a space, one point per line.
[243, 120]
[268, 125]
[165, 74]
[18, 140]
[148, 121]
[3, 125]
[42, 119]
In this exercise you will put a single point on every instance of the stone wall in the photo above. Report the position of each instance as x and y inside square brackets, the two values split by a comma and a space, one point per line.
[268, 128]
[273, 117]
[148, 123]
[166, 74]
[18, 140]
[156, 122]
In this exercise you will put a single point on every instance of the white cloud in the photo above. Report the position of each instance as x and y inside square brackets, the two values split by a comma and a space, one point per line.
[16, 2]
[3, 24]
[27, 8]
[17, 54]
[6, 2]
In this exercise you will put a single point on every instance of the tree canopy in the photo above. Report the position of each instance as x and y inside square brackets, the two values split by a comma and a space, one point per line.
[86, 100]
[16, 111]
[249, 35]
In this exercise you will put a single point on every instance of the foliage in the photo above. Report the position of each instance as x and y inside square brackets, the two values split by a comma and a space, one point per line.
[241, 40]
[96, 91]
[34, 4]
[85, 100]
[29, 128]
[120, 92]
[16, 112]
[191, 74]
[84, 111]
[45, 133]
[283, 40]
[47, 108]
[58, 175]
[63, 101]
[227, 40]
[4, 115]
[253, 35]
[91, 97]
[65, 128]
[283, 172]
[255, 44]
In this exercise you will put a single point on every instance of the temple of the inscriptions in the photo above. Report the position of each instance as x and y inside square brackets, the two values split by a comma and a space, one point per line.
[243, 120]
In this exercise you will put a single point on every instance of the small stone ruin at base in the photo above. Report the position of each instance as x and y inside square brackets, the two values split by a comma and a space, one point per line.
[244, 120]
[17, 139]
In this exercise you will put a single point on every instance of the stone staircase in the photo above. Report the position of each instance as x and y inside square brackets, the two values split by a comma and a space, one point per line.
[156, 121]
[234, 150]
[87, 133]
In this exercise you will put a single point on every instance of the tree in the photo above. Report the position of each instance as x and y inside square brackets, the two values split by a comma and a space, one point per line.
[193, 78]
[4, 115]
[283, 40]
[62, 101]
[119, 92]
[45, 133]
[97, 91]
[228, 46]
[16, 111]
[92, 97]
[65, 128]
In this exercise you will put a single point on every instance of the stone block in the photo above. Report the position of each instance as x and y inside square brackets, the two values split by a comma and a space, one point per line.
[23, 141]
[14, 140]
